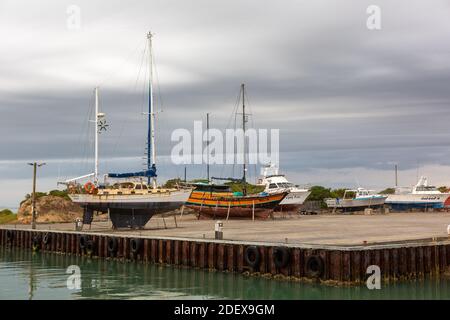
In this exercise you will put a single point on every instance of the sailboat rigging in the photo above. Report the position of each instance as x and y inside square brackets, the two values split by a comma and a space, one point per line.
[213, 200]
[130, 203]
[150, 172]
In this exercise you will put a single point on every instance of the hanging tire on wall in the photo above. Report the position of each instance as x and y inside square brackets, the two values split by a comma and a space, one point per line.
[252, 257]
[36, 243]
[9, 235]
[83, 242]
[314, 266]
[113, 245]
[281, 256]
[135, 245]
[90, 247]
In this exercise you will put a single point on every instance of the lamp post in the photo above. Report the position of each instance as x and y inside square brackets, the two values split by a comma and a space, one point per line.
[33, 196]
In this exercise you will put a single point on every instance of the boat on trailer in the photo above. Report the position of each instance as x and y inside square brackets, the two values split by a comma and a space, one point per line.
[357, 199]
[135, 198]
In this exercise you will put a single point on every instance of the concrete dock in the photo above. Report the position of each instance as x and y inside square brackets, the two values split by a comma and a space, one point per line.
[341, 230]
[333, 248]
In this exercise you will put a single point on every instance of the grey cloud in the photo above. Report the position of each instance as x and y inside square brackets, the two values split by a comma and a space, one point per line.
[341, 95]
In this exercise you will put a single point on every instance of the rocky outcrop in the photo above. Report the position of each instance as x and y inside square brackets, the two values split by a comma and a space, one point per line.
[50, 209]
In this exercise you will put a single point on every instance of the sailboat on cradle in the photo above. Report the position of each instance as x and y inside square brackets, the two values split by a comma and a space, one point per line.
[218, 201]
[134, 198]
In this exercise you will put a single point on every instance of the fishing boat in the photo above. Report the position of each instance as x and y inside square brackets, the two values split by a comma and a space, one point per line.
[131, 199]
[274, 182]
[357, 199]
[218, 201]
[420, 196]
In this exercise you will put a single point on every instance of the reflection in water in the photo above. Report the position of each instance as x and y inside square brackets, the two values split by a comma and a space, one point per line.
[27, 275]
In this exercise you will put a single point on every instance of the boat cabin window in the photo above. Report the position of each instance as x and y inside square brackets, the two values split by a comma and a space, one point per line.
[140, 187]
[125, 185]
[426, 188]
[285, 185]
[273, 186]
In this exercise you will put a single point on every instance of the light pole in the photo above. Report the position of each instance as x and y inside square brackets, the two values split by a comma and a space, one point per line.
[33, 196]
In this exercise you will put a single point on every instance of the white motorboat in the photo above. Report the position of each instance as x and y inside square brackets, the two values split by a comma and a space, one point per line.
[274, 182]
[421, 196]
[361, 199]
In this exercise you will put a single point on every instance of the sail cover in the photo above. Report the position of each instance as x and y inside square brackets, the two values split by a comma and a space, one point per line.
[146, 173]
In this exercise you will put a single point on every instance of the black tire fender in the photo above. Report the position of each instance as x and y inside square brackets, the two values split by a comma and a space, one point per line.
[252, 256]
[135, 245]
[83, 241]
[281, 256]
[113, 244]
[90, 246]
[314, 266]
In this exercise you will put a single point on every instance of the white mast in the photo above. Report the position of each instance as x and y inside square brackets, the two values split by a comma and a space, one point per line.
[151, 111]
[99, 125]
[96, 136]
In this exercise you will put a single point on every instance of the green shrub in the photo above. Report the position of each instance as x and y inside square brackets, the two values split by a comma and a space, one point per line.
[388, 191]
[172, 183]
[59, 193]
[443, 189]
[6, 212]
[199, 181]
[250, 188]
[7, 216]
[318, 193]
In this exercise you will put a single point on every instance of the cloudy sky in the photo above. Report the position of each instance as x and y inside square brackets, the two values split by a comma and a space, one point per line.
[349, 101]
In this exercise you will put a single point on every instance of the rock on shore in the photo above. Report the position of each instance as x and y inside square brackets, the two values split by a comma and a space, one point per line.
[50, 208]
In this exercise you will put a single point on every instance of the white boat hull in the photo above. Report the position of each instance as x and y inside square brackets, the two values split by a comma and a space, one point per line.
[410, 201]
[355, 203]
[130, 211]
[176, 196]
[295, 198]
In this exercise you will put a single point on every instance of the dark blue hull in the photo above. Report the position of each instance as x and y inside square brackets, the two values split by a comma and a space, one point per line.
[128, 215]
[409, 206]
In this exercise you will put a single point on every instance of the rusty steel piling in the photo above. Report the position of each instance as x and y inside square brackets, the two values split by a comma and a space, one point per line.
[335, 264]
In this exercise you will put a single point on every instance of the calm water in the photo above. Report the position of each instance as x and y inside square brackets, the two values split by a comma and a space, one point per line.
[24, 275]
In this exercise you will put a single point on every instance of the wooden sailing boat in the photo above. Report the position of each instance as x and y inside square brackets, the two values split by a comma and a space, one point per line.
[135, 197]
[218, 201]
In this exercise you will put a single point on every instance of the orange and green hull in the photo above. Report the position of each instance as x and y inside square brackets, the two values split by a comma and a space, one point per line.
[224, 204]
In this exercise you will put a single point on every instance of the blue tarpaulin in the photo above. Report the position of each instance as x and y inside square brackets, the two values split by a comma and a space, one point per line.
[146, 173]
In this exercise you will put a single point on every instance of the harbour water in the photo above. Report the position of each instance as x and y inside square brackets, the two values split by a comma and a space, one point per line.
[28, 275]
